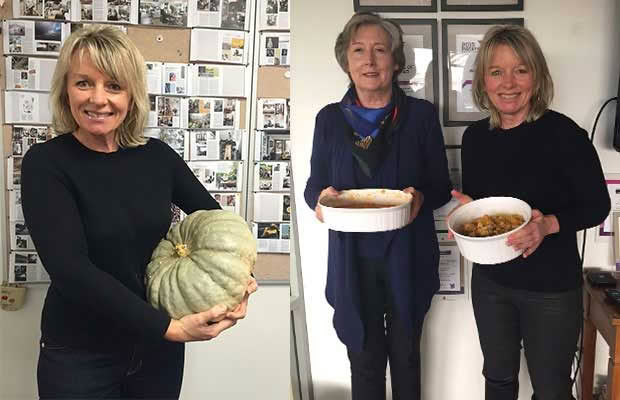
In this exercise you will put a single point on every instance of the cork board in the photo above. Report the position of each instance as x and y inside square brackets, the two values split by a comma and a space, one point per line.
[243, 104]
[273, 82]
[272, 267]
[7, 132]
[6, 11]
[161, 44]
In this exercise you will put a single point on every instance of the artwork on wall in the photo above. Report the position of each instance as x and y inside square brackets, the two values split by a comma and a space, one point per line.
[395, 5]
[481, 5]
[274, 14]
[34, 37]
[420, 76]
[460, 43]
[275, 49]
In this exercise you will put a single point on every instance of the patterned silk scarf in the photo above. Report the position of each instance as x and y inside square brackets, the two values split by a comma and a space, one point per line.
[370, 136]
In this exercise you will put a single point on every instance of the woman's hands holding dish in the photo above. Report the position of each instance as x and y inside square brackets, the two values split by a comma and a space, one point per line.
[531, 235]
[527, 238]
[328, 191]
[416, 202]
[462, 199]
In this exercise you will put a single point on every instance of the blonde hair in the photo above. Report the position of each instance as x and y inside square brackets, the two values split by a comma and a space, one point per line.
[115, 55]
[525, 46]
[393, 30]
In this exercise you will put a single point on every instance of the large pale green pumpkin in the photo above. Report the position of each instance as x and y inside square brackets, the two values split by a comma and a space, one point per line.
[205, 260]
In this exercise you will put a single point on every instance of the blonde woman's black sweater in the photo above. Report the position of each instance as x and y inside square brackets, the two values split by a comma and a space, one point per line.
[551, 165]
[95, 219]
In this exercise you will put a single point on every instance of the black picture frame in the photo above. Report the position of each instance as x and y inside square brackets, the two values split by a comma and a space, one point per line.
[395, 5]
[458, 108]
[457, 290]
[416, 32]
[482, 5]
[616, 140]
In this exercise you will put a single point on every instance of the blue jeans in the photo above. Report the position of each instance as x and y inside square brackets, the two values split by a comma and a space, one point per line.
[385, 339]
[548, 325]
[154, 372]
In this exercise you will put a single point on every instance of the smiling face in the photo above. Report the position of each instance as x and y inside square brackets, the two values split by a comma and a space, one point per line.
[509, 84]
[98, 103]
[371, 64]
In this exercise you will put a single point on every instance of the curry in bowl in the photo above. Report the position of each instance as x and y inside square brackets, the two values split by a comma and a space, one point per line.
[491, 225]
[492, 248]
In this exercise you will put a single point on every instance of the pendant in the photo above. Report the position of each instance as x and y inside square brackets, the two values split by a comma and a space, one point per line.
[364, 143]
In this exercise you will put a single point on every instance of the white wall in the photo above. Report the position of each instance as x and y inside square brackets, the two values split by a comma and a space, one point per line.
[580, 40]
[251, 361]
[230, 367]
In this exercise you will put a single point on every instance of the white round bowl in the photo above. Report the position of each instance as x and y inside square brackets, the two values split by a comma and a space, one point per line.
[491, 249]
[346, 212]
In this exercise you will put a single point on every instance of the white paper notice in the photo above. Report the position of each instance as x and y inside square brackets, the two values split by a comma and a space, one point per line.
[606, 229]
[463, 64]
[449, 269]
[415, 78]
[410, 44]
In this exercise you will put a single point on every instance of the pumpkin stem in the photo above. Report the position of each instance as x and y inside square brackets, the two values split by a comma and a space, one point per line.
[182, 250]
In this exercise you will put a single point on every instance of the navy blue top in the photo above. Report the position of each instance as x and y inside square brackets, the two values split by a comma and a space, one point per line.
[551, 165]
[417, 158]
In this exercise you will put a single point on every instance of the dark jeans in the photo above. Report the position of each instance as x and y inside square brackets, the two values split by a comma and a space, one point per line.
[141, 373]
[385, 339]
[548, 324]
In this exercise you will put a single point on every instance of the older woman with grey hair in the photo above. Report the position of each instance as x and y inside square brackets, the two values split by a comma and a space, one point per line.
[528, 151]
[380, 284]
[97, 201]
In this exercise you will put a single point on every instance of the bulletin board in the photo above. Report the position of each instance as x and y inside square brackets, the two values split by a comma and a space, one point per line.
[170, 45]
[161, 44]
[274, 82]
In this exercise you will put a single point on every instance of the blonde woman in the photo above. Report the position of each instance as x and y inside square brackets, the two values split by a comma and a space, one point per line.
[528, 151]
[97, 201]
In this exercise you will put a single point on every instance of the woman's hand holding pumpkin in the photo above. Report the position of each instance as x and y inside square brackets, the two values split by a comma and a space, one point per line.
[204, 325]
[416, 202]
[328, 191]
[209, 324]
[462, 199]
[241, 310]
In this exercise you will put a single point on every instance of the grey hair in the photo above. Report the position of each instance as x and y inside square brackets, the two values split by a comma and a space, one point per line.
[393, 30]
[526, 47]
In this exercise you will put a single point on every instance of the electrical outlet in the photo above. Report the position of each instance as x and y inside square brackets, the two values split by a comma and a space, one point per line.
[11, 297]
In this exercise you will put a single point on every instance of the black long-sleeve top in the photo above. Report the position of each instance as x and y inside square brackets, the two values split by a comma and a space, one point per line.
[95, 219]
[551, 165]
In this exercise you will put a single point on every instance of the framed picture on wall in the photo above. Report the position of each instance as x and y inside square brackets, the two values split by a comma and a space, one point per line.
[460, 43]
[451, 271]
[440, 215]
[481, 5]
[606, 228]
[420, 77]
[395, 5]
